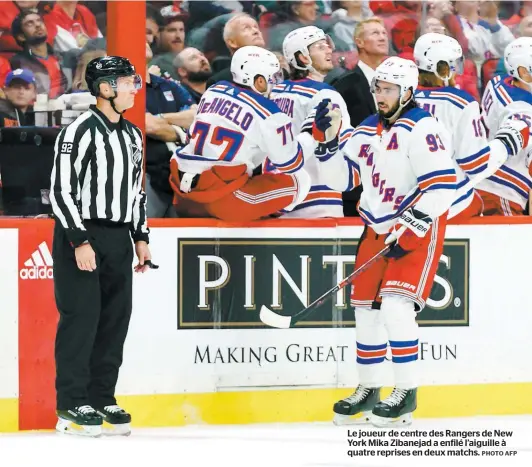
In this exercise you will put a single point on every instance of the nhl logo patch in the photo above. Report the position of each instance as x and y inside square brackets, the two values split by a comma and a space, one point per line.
[136, 154]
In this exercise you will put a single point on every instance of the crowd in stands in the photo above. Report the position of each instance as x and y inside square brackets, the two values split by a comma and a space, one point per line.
[45, 46]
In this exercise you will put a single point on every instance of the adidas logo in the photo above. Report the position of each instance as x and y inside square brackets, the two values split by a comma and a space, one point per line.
[39, 266]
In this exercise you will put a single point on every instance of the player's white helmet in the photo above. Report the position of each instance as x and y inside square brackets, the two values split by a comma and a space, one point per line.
[399, 71]
[433, 48]
[519, 53]
[299, 40]
[251, 61]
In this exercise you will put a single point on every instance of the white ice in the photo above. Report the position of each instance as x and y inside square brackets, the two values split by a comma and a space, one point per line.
[272, 445]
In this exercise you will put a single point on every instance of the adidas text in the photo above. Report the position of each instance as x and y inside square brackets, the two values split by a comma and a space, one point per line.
[44, 272]
[39, 265]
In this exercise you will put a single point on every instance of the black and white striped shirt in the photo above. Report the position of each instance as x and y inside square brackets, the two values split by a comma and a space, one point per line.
[97, 174]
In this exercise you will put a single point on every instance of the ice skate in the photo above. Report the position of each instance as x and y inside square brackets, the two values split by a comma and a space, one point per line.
[80, 421]
[117, 422]
[396, 409]
[361, 402]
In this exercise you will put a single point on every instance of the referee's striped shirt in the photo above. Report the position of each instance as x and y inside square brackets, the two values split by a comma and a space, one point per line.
[97, 174]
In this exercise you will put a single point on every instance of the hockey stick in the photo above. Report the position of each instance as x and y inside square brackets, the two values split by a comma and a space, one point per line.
[275, 320]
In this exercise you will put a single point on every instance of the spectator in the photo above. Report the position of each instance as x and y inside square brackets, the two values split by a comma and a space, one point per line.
[293, 15]
[239, 31]
[20, 95]
[525, 27]
[524, 11]
[5, 68]
[153, 22]
[486, 35]
[88, 54]
[30, 32]
[372, 42]
[443, 11]
[75, 25]
[194, 70]
[170, 41]
[8, 12]
[169, 107]
[172, 35]
[351, 13]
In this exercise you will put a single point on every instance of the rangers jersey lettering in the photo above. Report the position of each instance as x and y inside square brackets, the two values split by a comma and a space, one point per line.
[298, 99]
[502, 100]
[235, 126]
[474, 158]
[405, 165]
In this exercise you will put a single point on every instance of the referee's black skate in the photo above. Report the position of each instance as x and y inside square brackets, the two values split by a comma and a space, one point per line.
[361, 401]
[81, 421]
[116, 421]
[396, 409]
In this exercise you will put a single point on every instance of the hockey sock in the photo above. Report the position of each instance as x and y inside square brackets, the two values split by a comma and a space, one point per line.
[399, 317]
[371, 346]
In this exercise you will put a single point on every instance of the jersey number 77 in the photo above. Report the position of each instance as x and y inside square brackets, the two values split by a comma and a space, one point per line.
[218, 136]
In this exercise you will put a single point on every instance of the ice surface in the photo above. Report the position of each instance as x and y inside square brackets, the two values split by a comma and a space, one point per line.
[272, 445]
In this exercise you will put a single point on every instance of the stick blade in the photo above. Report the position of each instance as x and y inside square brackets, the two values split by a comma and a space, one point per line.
[274, 320]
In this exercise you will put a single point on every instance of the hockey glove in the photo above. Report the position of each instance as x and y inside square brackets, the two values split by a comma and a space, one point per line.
[325, 151]
[327, 121]
[408, 233]
[514, 134]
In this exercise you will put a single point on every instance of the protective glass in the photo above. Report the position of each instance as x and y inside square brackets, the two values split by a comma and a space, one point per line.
[126, 84]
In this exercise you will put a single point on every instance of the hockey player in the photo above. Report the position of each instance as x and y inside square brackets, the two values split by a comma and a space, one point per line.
[507, 191]
[308, 51]
[439, 59]
[409, 184]
[235, 128]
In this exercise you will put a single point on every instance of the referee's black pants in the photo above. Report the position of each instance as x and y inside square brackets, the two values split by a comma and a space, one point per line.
[94, 313]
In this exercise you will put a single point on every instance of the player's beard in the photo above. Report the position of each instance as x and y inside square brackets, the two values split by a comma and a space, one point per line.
[391, 112]
[199, 76]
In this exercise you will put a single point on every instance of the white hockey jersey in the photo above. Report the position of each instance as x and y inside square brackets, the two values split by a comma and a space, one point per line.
[236, 126]
[298, 99]
[405, 165]
[500, 102]
[474, 158]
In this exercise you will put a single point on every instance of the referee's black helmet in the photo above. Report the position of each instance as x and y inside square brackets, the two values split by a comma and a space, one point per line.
[107, 69]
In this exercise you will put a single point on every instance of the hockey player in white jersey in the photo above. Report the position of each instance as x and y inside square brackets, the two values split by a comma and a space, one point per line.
[235, 128]
[507, 191]
[308, 51]
[409, 185]
[439, 59]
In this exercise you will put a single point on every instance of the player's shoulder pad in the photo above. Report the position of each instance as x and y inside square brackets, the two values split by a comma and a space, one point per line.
[456, 97]
[263, 106]
[368, 126]
[507, 93]
[303, 87]
[409, 119]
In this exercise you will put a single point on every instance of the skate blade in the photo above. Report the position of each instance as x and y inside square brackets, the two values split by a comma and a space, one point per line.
[123, 429]
[384, 422]
[357, 419]
[66, 427]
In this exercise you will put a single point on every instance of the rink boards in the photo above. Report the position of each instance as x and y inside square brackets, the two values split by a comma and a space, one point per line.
[197, 352]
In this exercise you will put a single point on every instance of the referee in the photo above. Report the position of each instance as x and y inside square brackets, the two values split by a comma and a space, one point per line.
[99, 205]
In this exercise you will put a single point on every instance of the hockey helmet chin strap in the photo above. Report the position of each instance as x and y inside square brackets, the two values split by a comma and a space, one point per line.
[112, 102]
[402, 105]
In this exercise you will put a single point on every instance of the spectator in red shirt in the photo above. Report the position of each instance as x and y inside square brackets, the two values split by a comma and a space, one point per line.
[75, 25]
[5, 68]
[8, 12]
[30, 32]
